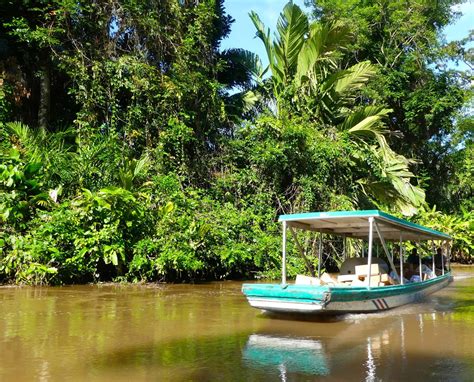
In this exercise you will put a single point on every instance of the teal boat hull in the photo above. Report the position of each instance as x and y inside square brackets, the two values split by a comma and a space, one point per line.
[311, 299]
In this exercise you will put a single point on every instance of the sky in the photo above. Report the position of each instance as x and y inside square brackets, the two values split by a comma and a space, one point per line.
[243, 30]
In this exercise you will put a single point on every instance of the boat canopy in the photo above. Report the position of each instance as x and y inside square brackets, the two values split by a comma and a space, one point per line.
[355, 224]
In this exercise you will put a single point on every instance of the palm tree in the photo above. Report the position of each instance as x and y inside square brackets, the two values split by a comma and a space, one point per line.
[307, 78]
[241, 72]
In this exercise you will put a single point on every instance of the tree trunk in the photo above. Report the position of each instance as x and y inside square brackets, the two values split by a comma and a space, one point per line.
[45, 97]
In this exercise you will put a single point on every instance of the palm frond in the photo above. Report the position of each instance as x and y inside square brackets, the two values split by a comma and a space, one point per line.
[29, 139]
[292, 27]
[242, 68]
[46, 148]
[366, 123]
[394, 186]
[320, 50]
[264, 35]
[132, 169]
[354, 78]
[336, 35]
[339, 88]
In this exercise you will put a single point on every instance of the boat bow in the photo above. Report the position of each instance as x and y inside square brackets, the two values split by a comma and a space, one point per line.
[287, 298]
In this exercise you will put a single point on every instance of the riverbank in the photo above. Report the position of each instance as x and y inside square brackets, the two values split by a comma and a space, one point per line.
[162, 283]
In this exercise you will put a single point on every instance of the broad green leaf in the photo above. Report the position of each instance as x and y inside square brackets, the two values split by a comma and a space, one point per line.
[292, 27]
[114, 258]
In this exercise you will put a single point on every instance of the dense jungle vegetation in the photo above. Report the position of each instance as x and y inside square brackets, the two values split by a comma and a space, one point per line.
[133, 147]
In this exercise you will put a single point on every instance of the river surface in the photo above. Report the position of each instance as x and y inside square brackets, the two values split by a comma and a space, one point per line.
[208, 332]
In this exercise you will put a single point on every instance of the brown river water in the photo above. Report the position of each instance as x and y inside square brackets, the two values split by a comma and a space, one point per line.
[208, 332]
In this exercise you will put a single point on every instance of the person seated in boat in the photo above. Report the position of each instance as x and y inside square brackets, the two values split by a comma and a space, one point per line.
[413, 260]
[395, 276]
[410, 264]
[425, 271]
[427, 261]
[330, 265]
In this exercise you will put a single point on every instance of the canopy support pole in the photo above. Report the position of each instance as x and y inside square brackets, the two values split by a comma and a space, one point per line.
[419, 261]
[320, 253]
[300, 248]
[344, 246]
[314, 247]
[369, 260]
[449, 255]
[442, 258]
[433, 249]
[283, 261]
[387, 253]
[401, 261]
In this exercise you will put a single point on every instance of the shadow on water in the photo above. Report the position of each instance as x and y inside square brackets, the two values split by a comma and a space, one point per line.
[322, 318]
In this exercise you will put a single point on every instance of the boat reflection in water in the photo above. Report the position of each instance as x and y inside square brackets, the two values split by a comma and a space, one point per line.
[360, 347]
[287, 355]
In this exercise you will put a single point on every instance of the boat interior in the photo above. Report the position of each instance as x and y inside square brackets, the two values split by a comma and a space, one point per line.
[372, 227]
[355, 272]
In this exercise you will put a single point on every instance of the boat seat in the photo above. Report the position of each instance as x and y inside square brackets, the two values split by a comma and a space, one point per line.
[363, 270]
[307, 280]
[346, 278]
[326, 279]
[375, 279]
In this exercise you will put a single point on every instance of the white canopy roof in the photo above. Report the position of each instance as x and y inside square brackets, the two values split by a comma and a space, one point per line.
[355, 224]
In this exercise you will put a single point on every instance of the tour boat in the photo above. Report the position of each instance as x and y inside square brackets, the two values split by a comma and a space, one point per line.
[365, 283]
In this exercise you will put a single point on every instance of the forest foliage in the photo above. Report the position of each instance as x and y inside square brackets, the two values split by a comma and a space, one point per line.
[133, 147]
